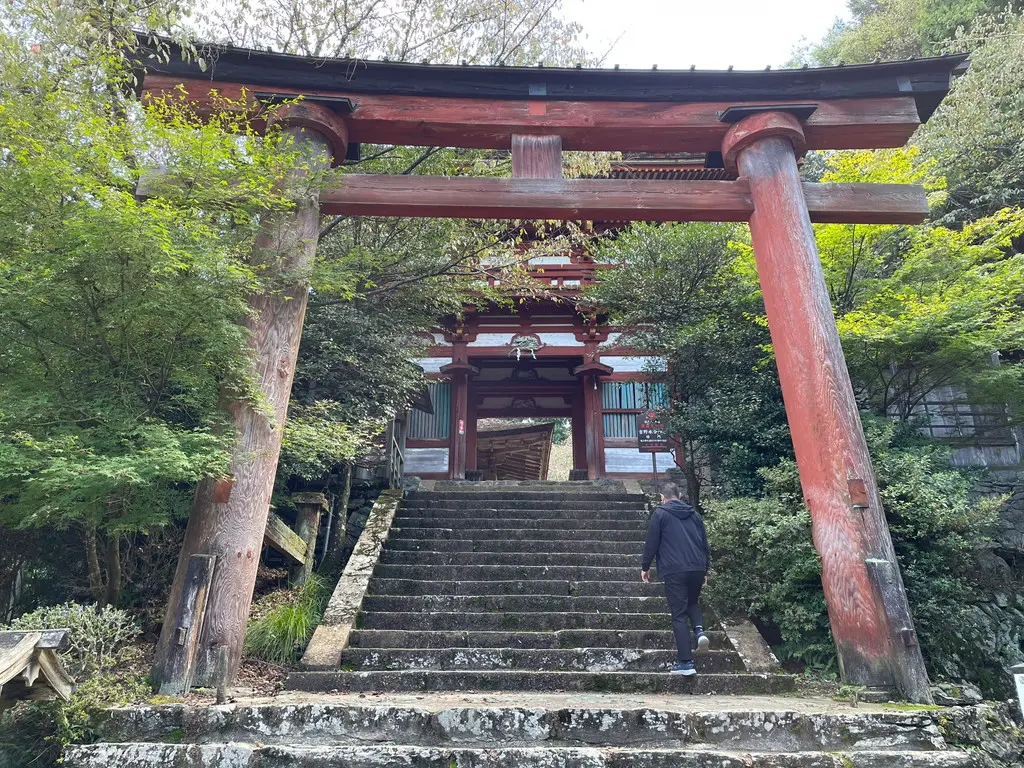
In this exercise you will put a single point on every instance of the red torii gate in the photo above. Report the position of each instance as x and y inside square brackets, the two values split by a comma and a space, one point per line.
[757, 123]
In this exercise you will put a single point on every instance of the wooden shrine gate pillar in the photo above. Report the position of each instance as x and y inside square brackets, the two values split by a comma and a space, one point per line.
[460, 372]
[867, 603]
[228, 517]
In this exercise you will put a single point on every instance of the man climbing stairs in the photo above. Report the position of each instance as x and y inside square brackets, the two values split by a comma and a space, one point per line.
[489, 586]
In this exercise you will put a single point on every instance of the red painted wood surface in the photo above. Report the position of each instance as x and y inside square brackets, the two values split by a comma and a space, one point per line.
[827, 435]
[607, 199]
[590, 125]
[460, 372]
[579, 429]
[536, 157]
[472, 408]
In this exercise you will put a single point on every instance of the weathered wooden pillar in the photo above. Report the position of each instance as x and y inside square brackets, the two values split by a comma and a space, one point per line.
[867, 603]
[459, 370]
[228, 517]
[594, 425]
[471, 430]
[307, 527]
[579, 429]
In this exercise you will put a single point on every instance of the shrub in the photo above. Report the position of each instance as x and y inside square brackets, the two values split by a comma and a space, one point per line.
[105, 662]
[282, 633]
[99, 639]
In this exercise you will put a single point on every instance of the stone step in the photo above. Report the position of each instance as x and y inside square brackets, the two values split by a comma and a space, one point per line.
[519, 680]
[325, 723]
[635, 588]
[505, 572]
[653, 639]
[504, 604]
[521, 622]
[559, 660]
[578, 497]
[397, 543]
[393, 756]
[523, 523]
[490, 532]
[560, 559]
[571, 506]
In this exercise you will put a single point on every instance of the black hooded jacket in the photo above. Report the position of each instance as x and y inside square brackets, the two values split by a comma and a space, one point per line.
[676, 537]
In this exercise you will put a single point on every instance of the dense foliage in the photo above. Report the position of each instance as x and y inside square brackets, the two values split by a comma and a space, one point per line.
[766, 566]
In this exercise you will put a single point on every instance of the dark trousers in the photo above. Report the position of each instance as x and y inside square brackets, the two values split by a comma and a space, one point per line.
[683, 593]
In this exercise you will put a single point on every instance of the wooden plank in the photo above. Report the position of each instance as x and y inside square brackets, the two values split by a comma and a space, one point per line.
[283, 539]
[607, 199]
[536, 157]
[858, 123]
[307, 526]
[179, 668]
[56, 639]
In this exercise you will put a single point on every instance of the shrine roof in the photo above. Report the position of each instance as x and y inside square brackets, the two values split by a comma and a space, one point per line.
[926, 79]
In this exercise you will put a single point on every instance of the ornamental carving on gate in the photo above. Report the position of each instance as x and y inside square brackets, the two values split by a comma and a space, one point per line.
[525, 342]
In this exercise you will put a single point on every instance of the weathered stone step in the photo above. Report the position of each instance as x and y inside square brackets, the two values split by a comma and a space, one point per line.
[585, 546]
[528, 622]
[571, 506]
[539, 523]
[325, 723]
[561, 559]
[576, 496]
[514, 604]
[505, 572]
[635, 588]
[502, 531]
[390, 756]
[652, 639]
[559, 660]
[517, 680]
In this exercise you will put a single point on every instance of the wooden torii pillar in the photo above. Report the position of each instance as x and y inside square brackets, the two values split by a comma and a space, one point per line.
[228, 517]
[867, 603]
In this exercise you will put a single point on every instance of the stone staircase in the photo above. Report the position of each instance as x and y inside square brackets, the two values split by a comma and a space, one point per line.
[531, 598]
[491, 587]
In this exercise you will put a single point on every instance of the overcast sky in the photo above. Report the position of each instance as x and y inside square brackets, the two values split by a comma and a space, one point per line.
[749, 34]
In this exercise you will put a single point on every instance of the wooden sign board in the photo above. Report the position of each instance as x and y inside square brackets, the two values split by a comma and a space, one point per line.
[651, 433]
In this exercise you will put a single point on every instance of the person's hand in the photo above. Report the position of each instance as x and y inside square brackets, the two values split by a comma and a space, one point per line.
[705, 579]
[645, 577]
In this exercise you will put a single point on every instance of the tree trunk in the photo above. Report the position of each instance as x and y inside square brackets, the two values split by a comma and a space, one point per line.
[229, 517]
[92, 561]
[112, 593]
[332, 564]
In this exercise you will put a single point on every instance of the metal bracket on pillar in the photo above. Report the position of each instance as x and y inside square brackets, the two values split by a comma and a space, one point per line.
[735, 114]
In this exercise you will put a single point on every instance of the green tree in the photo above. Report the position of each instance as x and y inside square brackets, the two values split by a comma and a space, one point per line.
[117, 314]
[923, 308]
[689, 291]
[976, 138]
[766, 567]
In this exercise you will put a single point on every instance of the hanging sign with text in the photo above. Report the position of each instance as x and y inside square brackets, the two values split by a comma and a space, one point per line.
[651, 433]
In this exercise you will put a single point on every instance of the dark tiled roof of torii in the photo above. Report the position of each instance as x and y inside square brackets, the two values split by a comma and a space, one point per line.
[927, 80]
